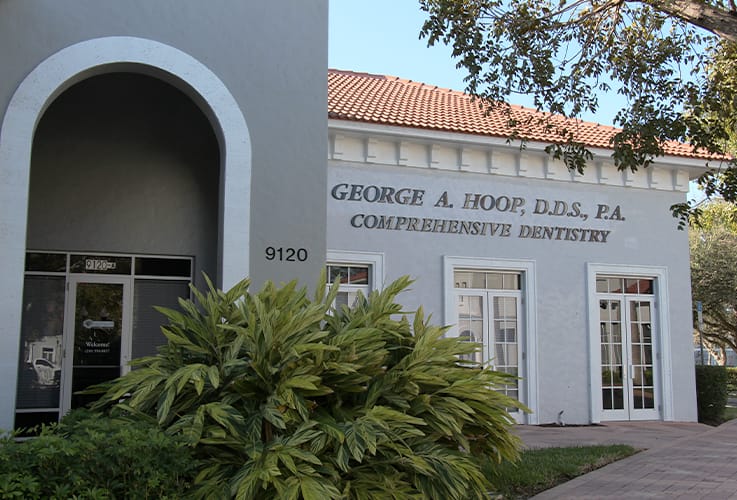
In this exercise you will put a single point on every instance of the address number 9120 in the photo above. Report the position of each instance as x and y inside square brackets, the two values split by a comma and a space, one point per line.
[286, 254]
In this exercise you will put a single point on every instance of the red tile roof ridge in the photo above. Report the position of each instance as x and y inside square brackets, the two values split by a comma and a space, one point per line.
[458, 93]
[397, 101]
[396, 79]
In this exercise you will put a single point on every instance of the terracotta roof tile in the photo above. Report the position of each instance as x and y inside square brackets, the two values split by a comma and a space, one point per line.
[389, 100]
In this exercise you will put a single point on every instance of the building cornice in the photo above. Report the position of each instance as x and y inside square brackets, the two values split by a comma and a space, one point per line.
[391, 145]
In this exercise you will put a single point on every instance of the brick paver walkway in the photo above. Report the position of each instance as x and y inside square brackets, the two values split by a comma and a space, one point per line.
[686, 461]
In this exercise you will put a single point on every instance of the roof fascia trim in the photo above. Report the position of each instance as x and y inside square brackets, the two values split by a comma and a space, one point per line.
[695, 166]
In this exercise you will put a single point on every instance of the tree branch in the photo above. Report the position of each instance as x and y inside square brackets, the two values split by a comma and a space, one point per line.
[718, 21]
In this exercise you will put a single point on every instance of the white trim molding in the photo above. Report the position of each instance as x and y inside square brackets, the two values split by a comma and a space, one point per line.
[375, 260]
[406, 147]
[662, 354]
[38, 90]
[529, 304]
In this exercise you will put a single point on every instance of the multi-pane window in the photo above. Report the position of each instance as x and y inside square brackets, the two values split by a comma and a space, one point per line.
[487, 280]
[489, 314]
[615, 284]
[353, 278]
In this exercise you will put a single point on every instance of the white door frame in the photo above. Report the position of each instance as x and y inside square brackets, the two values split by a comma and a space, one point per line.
[126, 332]
[628, 410]
[661, 336]
[527, 315]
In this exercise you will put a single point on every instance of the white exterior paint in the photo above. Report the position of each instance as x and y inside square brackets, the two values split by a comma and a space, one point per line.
[559, 302]
[529, 298]
[562, 357]
[400, 146]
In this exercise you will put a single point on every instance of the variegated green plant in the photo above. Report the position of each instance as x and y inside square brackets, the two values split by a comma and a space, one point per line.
[286, 397]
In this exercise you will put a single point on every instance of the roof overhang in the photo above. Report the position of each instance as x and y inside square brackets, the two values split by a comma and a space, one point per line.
[358, 141]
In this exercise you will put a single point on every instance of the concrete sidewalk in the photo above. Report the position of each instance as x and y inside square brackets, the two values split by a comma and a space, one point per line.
[682, 460]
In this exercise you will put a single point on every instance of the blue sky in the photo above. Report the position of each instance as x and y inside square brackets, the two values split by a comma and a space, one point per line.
[382, 37]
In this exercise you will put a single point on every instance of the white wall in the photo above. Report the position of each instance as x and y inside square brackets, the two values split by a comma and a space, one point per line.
[642, 233]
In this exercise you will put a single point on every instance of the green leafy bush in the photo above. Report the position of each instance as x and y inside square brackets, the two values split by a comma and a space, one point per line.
[711, 392]
[732, 379]
[285, 397]
[91, 456]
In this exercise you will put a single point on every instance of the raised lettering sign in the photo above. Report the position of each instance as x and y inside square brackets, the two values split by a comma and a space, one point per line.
[563, 214]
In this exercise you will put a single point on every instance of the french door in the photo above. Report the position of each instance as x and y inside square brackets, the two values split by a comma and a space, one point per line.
[97, 345]
[492, 318]
[629, 369]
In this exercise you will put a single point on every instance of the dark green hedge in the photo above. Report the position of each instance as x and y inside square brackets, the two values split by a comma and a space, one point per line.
[711, 392]
[94, 457]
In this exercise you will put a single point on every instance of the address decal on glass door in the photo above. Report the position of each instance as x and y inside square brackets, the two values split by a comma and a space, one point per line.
[570, 213]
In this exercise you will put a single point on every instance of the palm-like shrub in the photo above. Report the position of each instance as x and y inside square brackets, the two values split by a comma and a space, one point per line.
[285, 397]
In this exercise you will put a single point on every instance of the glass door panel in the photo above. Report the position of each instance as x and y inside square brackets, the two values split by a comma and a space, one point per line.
[488, 313]
[40, 356]
[492, 320]
[99, 347]
[505, 354]
[612, 366]
[97, 337]
[642, 368]
[471, 323]
[628, 376]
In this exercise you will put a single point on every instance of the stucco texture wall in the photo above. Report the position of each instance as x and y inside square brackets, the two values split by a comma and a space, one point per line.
[644, 234]
[272, 57]
[125, 162]
[256, 70]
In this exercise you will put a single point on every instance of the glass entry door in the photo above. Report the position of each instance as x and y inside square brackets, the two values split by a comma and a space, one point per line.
[489, 313]
[628, 370]
[85, 316]
[98, 349]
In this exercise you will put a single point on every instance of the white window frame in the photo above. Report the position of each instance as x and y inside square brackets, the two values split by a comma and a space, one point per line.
[661, 357]
[529, 393]
[374, 260]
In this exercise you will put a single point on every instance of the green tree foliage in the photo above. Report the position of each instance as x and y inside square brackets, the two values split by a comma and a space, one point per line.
[281, 396]
[673, 61]
[714, 272]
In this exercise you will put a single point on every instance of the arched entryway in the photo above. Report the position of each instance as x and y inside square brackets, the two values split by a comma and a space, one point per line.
[101, 65]
[125, 163]
[123, 215]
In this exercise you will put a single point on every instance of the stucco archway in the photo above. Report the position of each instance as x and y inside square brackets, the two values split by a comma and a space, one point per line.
[42, 85]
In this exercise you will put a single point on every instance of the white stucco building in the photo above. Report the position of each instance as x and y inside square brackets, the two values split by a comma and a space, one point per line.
[579, 284]
[143, 144]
